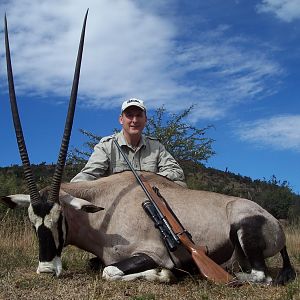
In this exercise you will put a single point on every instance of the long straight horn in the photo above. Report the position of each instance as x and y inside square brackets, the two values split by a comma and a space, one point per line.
[34, 194]
[57, 177]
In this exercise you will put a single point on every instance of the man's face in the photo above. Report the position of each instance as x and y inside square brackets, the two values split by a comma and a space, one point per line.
[133, 120]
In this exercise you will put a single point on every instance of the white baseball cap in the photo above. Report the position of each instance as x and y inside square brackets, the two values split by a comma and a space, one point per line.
[133, 102]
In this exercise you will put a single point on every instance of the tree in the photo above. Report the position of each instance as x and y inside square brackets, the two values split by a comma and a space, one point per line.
[276, 197]
[80, 156]
[184, 141]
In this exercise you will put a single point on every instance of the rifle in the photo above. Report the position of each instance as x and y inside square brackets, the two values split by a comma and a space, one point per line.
[165, 217]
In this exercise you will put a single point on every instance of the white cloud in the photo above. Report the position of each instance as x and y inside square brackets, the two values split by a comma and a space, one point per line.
[231, 68]
[286, 10]
[132, 51]
[280, 132]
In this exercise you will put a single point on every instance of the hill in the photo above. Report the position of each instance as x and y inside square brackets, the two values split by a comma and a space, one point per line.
[275, 196]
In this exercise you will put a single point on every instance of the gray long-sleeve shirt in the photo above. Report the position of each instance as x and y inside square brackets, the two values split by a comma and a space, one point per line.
[150, 155]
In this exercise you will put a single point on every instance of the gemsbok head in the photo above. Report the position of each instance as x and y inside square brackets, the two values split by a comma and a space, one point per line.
[45, 211]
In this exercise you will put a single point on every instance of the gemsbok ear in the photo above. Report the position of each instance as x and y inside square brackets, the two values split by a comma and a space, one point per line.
[16, 201]
[78, 203]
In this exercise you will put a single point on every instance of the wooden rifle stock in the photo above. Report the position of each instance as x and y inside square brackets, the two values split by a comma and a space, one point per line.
[207, 267]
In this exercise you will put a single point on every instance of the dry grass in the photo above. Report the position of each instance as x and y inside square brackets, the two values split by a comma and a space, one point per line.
[18, 280]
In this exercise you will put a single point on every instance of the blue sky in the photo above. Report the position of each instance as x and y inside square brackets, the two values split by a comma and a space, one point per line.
[236, 61]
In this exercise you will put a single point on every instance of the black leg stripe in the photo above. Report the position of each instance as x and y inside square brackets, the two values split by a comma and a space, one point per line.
[136, 264]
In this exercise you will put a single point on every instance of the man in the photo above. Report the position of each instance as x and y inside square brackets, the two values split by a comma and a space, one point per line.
[145, 153]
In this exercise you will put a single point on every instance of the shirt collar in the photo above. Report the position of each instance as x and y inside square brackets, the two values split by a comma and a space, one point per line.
[122, 141]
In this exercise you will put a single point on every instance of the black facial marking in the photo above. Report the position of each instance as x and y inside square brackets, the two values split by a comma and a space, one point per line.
[136, 264]
[47, 247]
[42, 209]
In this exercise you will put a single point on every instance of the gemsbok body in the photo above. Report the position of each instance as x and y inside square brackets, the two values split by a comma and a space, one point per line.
[105, 217]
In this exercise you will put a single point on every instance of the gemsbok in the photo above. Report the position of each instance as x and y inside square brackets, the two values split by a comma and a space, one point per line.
[105, 217]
